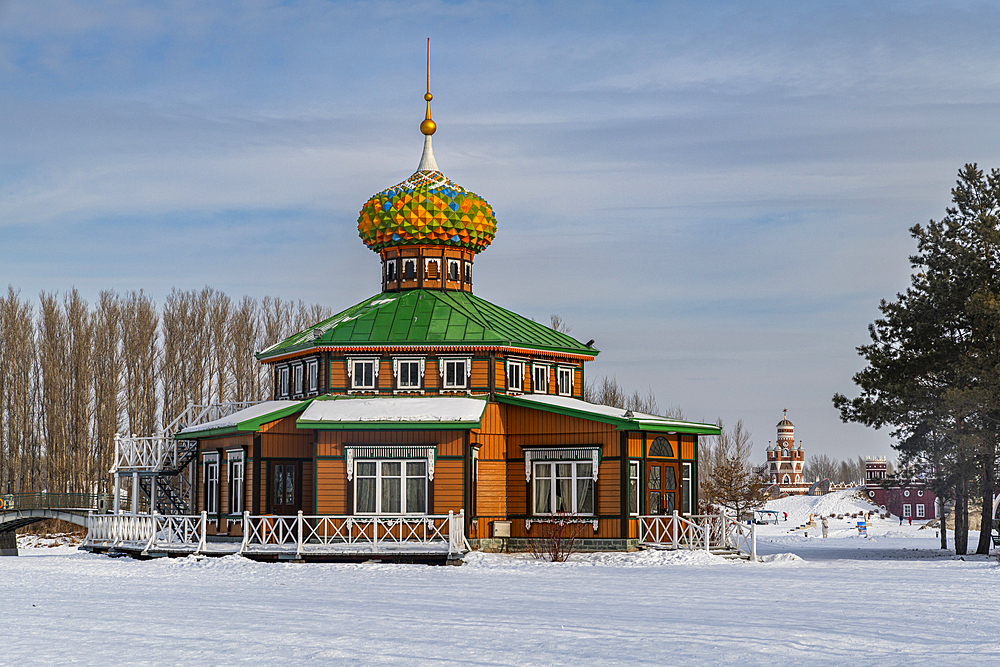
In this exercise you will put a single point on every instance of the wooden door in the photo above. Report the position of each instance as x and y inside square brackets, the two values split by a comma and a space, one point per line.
[284, 487]
[661, 487]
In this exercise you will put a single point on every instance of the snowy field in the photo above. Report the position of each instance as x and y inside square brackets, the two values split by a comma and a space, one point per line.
[890, 599]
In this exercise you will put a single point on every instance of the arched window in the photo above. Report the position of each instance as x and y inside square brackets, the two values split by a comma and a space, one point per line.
[661, 447]
[786, 479]
[784, 452]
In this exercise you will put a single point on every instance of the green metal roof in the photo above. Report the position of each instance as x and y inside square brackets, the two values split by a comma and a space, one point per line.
[248, 420]
[428, 317]
[624, 421]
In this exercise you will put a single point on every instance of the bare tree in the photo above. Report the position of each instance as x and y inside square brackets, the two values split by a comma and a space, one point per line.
[556, 323]
[107, 386]
[140, 352]
[733, 483]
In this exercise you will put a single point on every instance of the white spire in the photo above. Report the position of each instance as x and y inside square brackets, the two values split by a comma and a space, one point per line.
[427, 162]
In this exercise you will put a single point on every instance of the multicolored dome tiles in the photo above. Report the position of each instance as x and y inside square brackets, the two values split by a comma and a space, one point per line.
[427, 208]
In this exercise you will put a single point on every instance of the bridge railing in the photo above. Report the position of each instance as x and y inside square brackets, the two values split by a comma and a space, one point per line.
[45, 500]
[698, 532]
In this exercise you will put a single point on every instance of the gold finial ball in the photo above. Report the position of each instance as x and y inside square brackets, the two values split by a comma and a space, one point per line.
[428, 127]
[428, 97]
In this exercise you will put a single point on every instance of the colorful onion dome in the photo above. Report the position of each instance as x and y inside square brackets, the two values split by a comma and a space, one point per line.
[427, 208]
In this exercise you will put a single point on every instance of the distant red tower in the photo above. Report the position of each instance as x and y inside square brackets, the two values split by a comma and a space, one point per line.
[785, 461]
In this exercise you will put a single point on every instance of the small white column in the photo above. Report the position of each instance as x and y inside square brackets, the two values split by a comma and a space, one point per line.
[135, 493]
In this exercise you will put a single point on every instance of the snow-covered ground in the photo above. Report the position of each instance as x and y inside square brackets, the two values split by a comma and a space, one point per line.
[890, 599]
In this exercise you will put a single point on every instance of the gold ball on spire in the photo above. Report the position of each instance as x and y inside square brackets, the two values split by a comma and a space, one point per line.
[428, 126]
[428, 97]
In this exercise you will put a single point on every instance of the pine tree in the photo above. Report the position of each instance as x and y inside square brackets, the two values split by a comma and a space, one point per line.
[933, 371]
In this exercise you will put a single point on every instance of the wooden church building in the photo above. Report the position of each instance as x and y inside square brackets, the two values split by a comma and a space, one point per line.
[425, 399]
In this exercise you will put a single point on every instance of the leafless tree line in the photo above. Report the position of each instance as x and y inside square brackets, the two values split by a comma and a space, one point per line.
[821, 466]
[73, 374]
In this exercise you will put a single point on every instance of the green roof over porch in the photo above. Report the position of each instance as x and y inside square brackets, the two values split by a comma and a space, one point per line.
[623, 419]
[248, 420]
[428, 317]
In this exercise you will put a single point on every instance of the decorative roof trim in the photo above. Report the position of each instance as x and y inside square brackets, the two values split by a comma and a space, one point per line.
[390, 348]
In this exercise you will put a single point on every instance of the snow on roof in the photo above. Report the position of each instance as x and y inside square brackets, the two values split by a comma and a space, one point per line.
[568, 403]
[395, 409]
[254, 412]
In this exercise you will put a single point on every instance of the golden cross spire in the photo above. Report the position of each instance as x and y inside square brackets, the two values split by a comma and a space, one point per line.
[428, 126]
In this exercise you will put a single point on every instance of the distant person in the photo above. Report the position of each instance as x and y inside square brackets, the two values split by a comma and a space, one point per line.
[910, 519]
[900, 519]
[826, 527]
[786, 515]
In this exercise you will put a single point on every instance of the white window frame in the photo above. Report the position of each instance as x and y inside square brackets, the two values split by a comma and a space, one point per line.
[352, 374]
[517, 367]
[634, 488]
[786, 479]
[210, 475]
[283, 384]
[575, 477]
[921, 512]
[378, 485]
[397, 372]
[535, 370]
[391, 275]
[459, 383]
[468, 272]
[686, 490]
[569, 374]
[907, 510]
[298, 375]
[454, 264]
[236, 477]
[313, 374]
[407, 263]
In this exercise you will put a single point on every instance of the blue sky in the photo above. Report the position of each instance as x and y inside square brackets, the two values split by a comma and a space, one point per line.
[717, 192]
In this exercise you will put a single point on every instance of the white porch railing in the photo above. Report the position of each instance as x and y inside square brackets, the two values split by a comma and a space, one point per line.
[332, 534]
[297, 534]
[698, 532]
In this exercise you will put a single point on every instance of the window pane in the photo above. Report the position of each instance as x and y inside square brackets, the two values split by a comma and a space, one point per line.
[416, 469]
[289, 485]
[279, 484]
[564, 495]
[564, 469]
[449, 374]
[391, 487]
[654, 478]
[543, 495]
[584, 469]
[359, 373]
[370, 374]
[543, 470]
[669, 479]
[365, 495]
[585, 495]
[654, 503]
[366, 468]
[404, 375]
[416, 495]
[633, 496]
[670, 502]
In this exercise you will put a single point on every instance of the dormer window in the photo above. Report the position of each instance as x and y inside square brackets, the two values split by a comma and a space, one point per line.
[454, 373]
[540, 378]
[283, 381]
[565, 381]
[468, 272]
[453, 269]
[312, 369]
[363, 373]
[408, 373]
[390, 271]
[515, 375]
[409, 269]
[432, 270]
